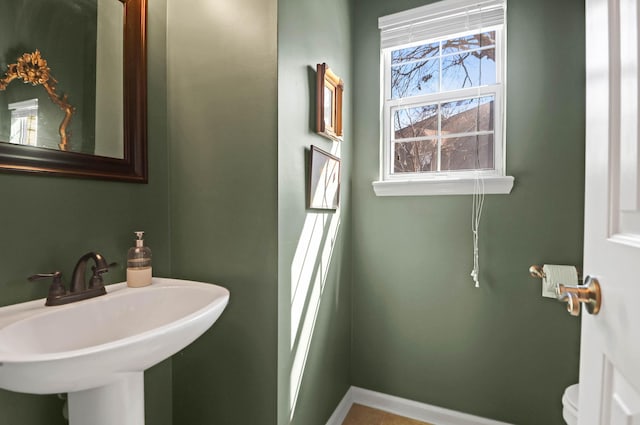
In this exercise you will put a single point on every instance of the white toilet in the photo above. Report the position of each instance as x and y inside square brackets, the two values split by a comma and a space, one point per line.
[570, 405]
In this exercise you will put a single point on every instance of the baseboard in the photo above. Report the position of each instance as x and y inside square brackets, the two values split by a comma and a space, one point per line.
[403, 407]
[343, 408]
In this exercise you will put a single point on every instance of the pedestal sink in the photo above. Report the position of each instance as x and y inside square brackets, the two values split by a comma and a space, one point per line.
[96, 350]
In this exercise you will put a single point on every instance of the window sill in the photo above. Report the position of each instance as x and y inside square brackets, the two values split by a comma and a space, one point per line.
[442, 186]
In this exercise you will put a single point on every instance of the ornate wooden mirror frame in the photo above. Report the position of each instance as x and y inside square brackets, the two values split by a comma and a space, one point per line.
[133, 167]
[32, 69]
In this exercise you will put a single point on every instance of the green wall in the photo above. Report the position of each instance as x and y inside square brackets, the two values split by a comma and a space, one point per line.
[420, 328]
[47, 223]
[226, 204]
[314, 246]
[222, 87]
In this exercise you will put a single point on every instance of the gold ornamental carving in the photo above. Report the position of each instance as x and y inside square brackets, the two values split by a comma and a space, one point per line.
[33, 69]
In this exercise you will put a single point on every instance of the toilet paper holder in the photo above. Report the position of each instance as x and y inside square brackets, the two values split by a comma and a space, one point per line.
[536, 271]
[587, 293]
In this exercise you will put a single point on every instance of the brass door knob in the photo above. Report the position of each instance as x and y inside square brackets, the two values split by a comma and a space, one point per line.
[588, 294]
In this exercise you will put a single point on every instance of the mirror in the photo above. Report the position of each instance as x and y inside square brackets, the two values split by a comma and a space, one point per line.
[73, 88]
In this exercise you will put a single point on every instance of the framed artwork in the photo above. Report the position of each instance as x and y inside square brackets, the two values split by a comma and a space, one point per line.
[324, 181]
[329, 88]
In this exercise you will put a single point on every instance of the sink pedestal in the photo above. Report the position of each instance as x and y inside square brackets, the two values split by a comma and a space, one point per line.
[121, 403]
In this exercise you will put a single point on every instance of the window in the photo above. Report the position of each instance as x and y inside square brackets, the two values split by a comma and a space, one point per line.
[443, 85]
[24, 122]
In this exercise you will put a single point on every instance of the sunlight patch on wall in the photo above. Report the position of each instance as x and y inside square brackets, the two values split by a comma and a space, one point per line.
[309, 270]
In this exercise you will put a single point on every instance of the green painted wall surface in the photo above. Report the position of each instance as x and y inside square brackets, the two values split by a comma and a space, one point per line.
[47, 223]
[420, 328]
[314, 246]
[222, 88]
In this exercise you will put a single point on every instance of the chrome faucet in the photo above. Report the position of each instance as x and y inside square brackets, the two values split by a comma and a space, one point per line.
[79, 289]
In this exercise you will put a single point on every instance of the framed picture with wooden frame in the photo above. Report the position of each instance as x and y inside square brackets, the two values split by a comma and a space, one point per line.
[329, 88]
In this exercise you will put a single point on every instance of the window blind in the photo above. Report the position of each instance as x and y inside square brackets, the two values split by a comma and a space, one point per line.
[440, 19]
[23, 109]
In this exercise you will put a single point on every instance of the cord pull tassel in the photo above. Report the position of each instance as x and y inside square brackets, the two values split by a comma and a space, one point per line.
[476, 213]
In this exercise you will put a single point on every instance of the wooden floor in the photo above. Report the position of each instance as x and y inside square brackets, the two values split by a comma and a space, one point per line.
[363, 415]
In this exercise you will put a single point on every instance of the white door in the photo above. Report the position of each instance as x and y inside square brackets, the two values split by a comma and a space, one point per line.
[610, 347]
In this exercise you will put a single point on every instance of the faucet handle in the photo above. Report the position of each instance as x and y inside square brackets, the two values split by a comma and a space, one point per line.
[57, 288]
[57, 275]
[96, 277]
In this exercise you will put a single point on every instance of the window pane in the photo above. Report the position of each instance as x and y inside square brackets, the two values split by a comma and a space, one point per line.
[460, 116]
[488, 39]
[468, 69]
[467, 153]
[468, 115]
[415, 78]
[469, 42]
[415, 53]
[486, 115]
[415, 157]
[416, 122]
[487, 67]
[460, 71]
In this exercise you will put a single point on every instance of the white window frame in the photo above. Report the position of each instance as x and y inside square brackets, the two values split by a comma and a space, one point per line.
[24, 122]
[431, 23]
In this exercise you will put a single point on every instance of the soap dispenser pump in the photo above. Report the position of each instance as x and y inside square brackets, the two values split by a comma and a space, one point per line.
[139, 264]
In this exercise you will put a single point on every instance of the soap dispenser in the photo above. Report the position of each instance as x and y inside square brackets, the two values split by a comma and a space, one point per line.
[139, 264]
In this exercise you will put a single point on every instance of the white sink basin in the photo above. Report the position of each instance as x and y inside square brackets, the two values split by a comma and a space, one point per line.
[103, 341]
